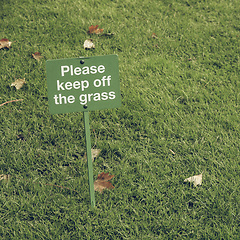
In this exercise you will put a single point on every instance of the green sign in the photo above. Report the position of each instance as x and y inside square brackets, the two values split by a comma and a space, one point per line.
[83, 84]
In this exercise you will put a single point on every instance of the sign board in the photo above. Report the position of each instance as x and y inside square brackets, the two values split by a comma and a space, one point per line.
[83, 84]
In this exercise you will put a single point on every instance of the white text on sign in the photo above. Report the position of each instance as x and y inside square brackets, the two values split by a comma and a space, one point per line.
[84, 98]
[85, 70]
[105, 81]
[82, 85]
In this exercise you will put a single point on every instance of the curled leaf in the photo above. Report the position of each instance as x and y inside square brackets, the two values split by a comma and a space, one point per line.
[102, 182]
[5, 43]
[5, 177]
[18, 83]
[196, 180]
[37, 56]
[154, 35]
[88, 44]
[95, 153]
[94, 30]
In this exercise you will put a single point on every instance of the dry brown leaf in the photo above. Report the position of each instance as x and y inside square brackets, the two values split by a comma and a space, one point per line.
[102, 182]
[88, 44]
[37, 56]
[196, 180]
[18, 83]
[154, 35]
[5, 177]
[94, 30]
[4, 42]
[95, 153]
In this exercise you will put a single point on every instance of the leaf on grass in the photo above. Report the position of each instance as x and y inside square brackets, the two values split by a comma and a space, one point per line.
[95, 153]
[94, 30]
[88, 44]
[5, 177]
[18, 83]
[102, 182]
[37, 56]
[154, 35]
[5, 43]
[196, 180]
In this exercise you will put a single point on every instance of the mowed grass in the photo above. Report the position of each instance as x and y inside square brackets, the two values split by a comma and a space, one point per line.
[179, 117]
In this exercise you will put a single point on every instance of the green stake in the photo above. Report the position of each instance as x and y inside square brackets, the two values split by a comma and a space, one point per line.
[89, 158]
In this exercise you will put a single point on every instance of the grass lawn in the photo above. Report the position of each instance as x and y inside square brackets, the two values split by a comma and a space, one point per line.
[179, 117]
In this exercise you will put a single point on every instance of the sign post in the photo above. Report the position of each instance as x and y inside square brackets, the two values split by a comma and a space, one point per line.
[83, 85]
[89, 158]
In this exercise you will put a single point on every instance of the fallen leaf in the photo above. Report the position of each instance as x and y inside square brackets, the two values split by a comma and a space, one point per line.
[5, 177]
[102, 182]
[4, 42]
[95, 153]
[37, 56]
[88, 44]
[196, 180]
[18, 83]
[154, 35]
[94, 29]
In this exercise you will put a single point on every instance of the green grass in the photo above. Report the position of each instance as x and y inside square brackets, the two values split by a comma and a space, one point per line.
[180, 93]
